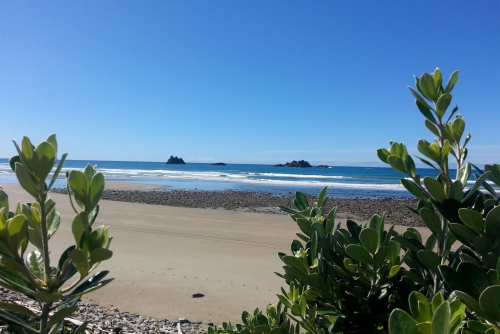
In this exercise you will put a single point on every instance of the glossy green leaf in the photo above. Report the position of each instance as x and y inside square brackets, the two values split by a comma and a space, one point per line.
[48, 297]
[43, 160]
[100, 254]
[78, 183]
[284, 301]
[53, 221]
[16, 308]
[420, 99]
[11, 318]
[432, 128]
[4, 200]
[96, 191]
[34, 262]
[314, 246]
[359, 254]
[431, 220]
[426, 112]
[455, 191]
[442, 104]
[441, 320]
[476, 185]
[58, 170]
[295, 262]
[25, 180]
[414, 189]
[52, 140]
[458, 128]
[394, 270]
[80, 224]
[437, 300]
[27, 148]
[438, 79]
[429, 150]
[422, 313]
[401, 322]
[451, 82]
[430, 259]
[322, 196]
[492, 224]
[383, 155]
[295, 310]
[79, 260]
[61, 314]
[490, 302]
[471, 303]
[494, 173]
[397, 164]
[301, 201]
[464, 233]
[457, 310]
[18, 231]
[472, 219]
[428, 87]
[369, 239]
[304, 225]
[435, 188]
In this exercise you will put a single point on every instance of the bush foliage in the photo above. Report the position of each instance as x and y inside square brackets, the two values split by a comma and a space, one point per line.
[363, 278]
[31, 225]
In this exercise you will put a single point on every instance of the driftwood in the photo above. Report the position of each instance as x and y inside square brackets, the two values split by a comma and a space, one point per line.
[179, 329]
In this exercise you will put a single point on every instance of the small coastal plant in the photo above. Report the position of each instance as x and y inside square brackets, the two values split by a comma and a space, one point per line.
[365, 279]
[25, 231]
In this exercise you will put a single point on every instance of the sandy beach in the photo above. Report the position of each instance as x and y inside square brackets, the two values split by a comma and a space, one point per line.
[163, 255]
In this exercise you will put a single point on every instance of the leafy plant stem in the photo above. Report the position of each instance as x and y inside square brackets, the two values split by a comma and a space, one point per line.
[45, 239]
[459, 160]
[70, 199]
[44, 318]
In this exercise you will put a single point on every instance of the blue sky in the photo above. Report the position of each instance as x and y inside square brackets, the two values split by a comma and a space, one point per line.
[242, 81]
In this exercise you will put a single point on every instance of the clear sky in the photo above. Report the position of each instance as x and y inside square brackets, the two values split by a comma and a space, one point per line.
[242, 81]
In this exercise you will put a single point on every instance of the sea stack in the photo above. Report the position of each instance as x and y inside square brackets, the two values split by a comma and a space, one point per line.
[175, 161]
[294, 163]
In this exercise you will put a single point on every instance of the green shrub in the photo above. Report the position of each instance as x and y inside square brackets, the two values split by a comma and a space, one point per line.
[32, 225]
[363, 279]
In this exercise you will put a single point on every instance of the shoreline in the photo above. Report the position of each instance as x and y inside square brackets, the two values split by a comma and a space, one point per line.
[356, 208]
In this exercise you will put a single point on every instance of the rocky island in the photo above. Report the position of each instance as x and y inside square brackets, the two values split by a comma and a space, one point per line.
[294, 163]
[175, 161]
[219, 164]
[322, 166]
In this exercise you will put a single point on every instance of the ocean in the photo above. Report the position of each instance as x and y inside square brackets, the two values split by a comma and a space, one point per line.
[369, 182]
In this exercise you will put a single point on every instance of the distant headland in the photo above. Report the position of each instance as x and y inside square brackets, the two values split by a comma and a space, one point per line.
[294, 163]
[175, 161]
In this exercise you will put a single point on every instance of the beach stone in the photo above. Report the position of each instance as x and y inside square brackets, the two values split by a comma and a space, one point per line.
[183, 320]
[209, 323]
[359, 208]
[197, 322]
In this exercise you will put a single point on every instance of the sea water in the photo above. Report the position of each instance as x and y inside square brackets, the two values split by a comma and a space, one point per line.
[341, 181]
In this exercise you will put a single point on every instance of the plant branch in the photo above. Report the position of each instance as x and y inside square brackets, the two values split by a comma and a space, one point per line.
[45, 239]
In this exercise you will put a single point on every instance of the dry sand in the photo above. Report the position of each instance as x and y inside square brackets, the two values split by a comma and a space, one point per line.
[163, 255]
